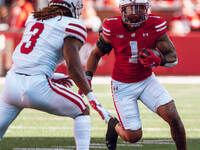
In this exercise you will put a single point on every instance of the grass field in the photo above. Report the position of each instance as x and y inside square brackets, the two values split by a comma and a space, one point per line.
[35, 130]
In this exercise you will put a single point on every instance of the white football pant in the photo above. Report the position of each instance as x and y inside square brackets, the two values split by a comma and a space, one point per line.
[37, 92]
[126, 95]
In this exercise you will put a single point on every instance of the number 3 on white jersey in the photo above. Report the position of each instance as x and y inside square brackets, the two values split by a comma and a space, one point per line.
[33, 39]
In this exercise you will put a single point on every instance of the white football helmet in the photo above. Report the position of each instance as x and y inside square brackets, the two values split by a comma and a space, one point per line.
[134, 12]
[74, 6]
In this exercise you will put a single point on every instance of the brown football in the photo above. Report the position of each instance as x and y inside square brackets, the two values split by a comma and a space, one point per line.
[145, 52]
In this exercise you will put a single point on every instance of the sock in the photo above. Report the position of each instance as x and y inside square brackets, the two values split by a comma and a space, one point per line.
[82, 132]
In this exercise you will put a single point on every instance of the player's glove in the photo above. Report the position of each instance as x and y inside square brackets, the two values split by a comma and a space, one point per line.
[89, 76]
[151, 60]
[97, 106]
[62, 79]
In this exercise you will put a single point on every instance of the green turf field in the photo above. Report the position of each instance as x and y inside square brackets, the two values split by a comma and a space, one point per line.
[35, 130]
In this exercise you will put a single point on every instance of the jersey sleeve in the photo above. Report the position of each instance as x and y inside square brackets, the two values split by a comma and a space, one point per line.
[106, 29]
[77, 30]
[160, 25]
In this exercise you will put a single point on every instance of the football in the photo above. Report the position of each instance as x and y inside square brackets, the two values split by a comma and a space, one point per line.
[145, 52]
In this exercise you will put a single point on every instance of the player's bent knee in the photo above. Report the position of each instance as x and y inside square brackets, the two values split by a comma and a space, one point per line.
[134, 139]
[133, 136]
[86, 111]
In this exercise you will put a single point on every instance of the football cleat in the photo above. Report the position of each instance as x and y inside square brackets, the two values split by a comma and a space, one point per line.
[111, 134]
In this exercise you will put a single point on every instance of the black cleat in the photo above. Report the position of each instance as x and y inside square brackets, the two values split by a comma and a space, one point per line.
[111, 134]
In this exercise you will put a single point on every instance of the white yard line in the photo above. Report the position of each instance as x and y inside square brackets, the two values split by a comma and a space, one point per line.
[96, 129]
[102, 146]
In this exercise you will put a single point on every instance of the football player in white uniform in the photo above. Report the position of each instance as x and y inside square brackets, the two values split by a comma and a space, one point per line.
[52, 35]
[132, 75]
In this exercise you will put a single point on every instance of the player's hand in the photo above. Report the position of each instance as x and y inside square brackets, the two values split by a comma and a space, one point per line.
[80, 92]
[97, 106]
[149, 61]
[62, 79]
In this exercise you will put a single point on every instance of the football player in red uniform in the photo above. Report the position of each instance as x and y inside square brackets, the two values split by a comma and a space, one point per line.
[132, 76]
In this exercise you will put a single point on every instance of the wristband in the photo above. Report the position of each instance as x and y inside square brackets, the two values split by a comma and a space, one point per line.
[91, 96]
[89, 75]
[163, 61]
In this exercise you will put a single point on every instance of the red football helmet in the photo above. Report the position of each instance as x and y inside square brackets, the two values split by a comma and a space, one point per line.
[134, 12]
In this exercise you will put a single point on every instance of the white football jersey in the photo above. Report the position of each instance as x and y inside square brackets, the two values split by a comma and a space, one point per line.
[40, 50]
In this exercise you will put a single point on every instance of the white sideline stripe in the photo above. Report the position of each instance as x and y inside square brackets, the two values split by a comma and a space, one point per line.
[99, 128]
[162, 79]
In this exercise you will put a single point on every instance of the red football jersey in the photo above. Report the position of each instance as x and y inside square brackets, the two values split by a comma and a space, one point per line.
[126, 44]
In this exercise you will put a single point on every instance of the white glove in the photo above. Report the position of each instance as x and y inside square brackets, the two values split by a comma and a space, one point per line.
[62, 79]
[97, 106]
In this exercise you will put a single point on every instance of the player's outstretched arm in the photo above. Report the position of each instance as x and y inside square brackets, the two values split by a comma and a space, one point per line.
[91, 66]
[166, 47]
[94, 58]
[71, 54]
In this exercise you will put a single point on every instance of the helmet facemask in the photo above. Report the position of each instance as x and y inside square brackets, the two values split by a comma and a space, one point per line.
[77, 9]
[134, 14]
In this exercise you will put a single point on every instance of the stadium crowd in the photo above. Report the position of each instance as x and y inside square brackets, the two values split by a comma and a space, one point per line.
[183, 16]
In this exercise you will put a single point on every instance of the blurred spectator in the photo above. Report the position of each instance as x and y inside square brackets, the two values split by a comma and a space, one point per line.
[42, 4]
[197, 6]
[2, 2]
[90, 19]
[111, 3]
[4, 17]
[114, 4]
[20, 11]
[88, 2]
[165, 3]
[185, 19]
